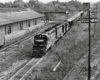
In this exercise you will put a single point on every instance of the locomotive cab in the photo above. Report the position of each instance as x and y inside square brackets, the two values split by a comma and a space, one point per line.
[39, 47]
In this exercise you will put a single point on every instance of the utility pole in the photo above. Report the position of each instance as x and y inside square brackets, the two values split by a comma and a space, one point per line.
[89, 55]
[88, 20]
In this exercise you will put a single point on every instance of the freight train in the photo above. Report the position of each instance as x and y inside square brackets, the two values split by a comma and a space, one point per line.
[46, 39]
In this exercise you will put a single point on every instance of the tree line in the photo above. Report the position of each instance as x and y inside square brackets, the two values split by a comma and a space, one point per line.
[39, 6]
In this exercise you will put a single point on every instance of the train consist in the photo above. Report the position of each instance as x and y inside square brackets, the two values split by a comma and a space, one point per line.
[46, 39]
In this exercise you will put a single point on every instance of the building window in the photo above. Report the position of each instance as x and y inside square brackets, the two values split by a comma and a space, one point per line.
[21, 25]
[28, 23]
[8, 29]
[35, 21]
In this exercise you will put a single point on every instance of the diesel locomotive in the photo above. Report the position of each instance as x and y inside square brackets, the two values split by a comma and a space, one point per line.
[46, 39]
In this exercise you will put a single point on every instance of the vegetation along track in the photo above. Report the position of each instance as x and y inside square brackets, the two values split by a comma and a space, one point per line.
[28, 37]
[79, 71]
[26, 69]
[81, 63]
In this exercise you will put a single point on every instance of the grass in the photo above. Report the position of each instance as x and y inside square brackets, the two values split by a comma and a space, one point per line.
[97, 77]
[18, 53]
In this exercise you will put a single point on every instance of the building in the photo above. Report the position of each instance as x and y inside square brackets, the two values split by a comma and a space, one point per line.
[16, 23]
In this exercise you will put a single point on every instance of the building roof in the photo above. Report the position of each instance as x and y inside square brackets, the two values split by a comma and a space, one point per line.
[12, 17]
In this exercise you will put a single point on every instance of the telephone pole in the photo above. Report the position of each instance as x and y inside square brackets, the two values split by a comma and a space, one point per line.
[89, 55]
[89, 20]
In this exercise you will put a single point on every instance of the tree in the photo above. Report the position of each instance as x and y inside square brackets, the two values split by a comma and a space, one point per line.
[2, 5]
[8, 4]
[19, 3]
[31, 3]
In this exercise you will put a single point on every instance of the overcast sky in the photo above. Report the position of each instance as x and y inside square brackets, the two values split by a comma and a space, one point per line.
[45, 1]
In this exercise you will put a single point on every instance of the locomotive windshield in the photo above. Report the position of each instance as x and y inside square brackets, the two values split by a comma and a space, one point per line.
[40, 39]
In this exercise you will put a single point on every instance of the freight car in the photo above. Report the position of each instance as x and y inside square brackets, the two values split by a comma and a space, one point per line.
[46, 39]
[73, 19]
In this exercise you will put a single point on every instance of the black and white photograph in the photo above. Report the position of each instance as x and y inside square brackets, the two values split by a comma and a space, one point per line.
[49, 40]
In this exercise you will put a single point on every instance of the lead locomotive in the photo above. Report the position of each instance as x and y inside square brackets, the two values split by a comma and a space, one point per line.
[46, 39]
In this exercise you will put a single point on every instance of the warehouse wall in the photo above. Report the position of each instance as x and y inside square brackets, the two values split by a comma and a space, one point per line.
[24, 24]
[2, 29]
[15, 27]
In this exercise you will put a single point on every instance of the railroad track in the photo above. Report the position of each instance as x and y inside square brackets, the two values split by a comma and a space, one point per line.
[77, 68]
[26, 38]
[26, 69]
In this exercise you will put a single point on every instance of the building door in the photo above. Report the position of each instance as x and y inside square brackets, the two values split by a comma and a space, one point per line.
[21, 25]
[63, 28]
[66, 28]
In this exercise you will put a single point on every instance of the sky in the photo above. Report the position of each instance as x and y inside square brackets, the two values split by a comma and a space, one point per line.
[45, 1]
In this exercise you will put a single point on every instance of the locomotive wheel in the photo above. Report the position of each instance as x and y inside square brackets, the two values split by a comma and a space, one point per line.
[34, 54]
[41, 53]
